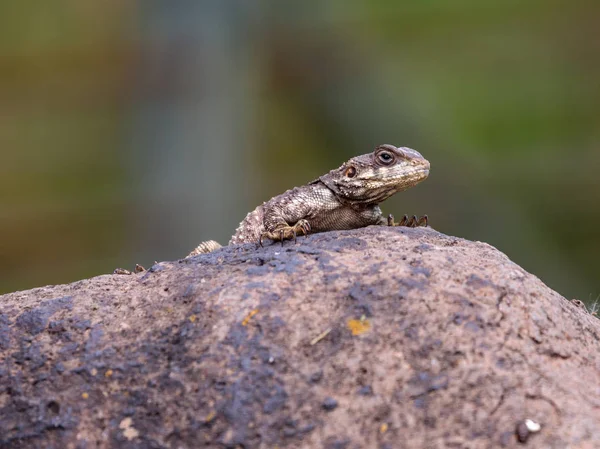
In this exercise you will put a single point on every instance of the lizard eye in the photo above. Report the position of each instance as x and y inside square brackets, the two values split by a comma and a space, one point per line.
[350, 172]
[385, 158]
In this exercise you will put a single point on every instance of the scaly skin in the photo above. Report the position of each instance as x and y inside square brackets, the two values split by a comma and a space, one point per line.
[345, 198]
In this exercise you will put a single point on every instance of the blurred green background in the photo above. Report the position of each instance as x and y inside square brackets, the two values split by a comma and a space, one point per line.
[132, 130]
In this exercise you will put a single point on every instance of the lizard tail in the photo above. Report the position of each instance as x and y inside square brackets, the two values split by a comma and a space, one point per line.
[205, 247]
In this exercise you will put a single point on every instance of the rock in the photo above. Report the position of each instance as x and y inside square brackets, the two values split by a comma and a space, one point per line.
[424, 340]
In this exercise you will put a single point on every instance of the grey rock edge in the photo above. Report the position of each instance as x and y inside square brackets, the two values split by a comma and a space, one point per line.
[373, 338]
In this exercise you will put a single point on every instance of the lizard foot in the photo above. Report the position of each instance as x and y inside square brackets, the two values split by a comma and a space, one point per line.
[286, 232]
[138, 269]
[411, 222]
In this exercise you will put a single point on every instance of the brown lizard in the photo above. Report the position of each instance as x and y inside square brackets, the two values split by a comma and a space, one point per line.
[345, 198]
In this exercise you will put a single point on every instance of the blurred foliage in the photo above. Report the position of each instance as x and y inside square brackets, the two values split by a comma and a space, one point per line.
[132, 130]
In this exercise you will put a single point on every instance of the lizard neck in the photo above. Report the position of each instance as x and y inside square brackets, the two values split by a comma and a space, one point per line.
[346, 202]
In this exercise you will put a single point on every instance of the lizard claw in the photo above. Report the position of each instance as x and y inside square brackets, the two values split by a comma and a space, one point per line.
[287, 232]
[306, 228]
[123, 271]
[411, 222]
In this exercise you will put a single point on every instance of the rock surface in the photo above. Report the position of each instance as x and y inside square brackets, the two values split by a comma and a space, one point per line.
[374, 338]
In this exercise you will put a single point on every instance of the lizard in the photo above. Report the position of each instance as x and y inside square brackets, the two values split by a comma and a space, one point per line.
[345, 198]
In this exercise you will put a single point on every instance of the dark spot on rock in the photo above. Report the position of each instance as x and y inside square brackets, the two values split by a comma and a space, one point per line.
[93, 341]
[54, 305]
[412, 284]
[305, 249]
[53, 408]
[476, 282]
[307, 429]
[269, 298]
[33, 321]
[60, 368]
[189, 291]
[412, 332]
[198, 307]
[4, 332]
[329, 404]
[364, 309]
[423, 382]
[275, 402]
[421, 248]
[429, 421]
[438, 382]
[458, 318]
[473, 326]
[40, 378]
[56, 327]
[21, 405]
[365, 390]
[325, 264]
[420, 403]
[129, 411]
[420, 271]
[33, 355]
[502, 363]
[69, 348]
[289, 432]
[376, 268]
[360, 292]
[80, 324]
[334, 443]
[316, 377]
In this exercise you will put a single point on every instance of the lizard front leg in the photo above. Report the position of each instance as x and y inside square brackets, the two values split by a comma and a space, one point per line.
[287, 216]
[286, 232]
[411, 222]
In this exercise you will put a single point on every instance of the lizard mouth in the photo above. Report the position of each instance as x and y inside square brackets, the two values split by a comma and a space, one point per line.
[421, 173]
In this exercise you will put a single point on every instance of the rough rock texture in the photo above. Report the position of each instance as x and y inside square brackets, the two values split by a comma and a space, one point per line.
[374, 338]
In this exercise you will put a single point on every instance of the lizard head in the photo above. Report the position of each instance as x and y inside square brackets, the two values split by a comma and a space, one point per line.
[372, 178]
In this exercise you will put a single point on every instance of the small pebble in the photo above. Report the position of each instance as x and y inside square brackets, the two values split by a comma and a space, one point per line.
[532, 426]
[329, 404]
[316, 377]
